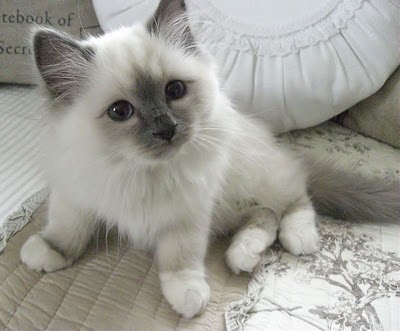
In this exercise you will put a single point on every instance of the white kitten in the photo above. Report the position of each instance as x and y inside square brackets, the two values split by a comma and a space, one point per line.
[141, 137]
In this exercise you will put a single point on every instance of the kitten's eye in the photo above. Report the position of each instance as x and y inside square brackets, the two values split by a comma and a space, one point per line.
[120, 111]
[175, 89]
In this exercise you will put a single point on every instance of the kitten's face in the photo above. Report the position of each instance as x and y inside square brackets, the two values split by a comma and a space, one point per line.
[148, 99]
[141, 93]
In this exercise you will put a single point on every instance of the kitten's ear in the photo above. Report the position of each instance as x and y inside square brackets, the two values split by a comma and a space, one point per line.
[62, 62]
[171, 23]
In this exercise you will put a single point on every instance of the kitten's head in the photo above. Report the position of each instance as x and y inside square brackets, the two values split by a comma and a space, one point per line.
[141, 92]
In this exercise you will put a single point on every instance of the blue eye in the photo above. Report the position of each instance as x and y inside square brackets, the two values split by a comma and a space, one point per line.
[175, 90]
[120, 111]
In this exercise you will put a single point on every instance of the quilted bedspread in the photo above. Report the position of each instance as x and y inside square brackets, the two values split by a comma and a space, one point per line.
[111, 288]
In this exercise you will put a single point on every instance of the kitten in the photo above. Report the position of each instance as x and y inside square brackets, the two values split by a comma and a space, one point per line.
[142, 137]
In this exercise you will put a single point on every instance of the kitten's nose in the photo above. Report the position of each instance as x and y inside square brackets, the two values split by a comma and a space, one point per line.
[166, 133]
[165, 127]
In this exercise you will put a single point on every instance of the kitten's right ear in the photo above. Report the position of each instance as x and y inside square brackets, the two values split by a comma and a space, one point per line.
[62, 62]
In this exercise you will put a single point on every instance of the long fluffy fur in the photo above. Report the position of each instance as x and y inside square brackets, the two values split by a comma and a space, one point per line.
[351, 196]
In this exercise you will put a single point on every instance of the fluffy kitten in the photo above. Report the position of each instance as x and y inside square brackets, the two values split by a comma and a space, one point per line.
[141, 136]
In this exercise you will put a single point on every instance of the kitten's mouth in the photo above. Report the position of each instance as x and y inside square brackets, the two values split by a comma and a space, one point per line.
[166, 150]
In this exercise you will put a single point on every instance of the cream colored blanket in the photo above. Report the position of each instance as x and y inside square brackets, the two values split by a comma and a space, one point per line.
[110, 288]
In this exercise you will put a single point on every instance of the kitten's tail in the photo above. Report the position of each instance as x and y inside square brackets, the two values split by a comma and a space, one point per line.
[345, 195]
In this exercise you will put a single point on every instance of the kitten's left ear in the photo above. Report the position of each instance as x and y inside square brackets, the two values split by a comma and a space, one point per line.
[170, 22]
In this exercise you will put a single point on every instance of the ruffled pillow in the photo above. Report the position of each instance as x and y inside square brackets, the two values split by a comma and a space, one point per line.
[292, 63]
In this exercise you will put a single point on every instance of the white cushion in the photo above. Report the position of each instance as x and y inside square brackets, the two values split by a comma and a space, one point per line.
[294, 63]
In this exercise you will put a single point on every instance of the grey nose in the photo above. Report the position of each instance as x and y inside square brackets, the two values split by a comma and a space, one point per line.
[167, 133]
[165, 127]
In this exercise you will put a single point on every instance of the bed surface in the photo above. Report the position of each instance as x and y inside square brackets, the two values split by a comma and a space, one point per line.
[110, 288]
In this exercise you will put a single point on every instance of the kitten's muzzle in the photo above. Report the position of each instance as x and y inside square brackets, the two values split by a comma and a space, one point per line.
[165, 127]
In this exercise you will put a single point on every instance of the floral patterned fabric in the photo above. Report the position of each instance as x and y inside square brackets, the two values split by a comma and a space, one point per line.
[353, 282]
[351, 150]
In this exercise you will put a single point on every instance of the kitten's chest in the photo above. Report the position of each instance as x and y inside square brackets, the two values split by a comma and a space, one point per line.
[144, 197]
[143, 206]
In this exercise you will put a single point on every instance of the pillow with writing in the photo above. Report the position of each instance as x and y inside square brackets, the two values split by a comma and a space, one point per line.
[17, 19]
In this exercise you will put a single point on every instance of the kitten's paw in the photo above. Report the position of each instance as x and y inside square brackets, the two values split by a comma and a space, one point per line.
[37, 255]
[300, 241]
[187, 291]
[247, 249]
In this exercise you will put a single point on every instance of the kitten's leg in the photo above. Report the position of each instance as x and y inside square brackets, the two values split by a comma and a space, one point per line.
[298, 231]
[180, 254]
[62, 240]
[250, 242]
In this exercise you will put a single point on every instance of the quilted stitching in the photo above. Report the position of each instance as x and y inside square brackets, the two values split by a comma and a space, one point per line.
[104, 290]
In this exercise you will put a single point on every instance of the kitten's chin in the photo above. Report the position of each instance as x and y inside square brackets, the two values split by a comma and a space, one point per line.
[166, 152]
[162, 152]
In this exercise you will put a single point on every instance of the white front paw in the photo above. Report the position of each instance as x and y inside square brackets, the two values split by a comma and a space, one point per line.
[38, 255]
[247, 249]
[187, 291]
[300, 241]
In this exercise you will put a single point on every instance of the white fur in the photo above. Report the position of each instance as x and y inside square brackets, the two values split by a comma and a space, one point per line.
[247, 248]
[298, 233]
[38, 255]
[174, 204]
[186, 290]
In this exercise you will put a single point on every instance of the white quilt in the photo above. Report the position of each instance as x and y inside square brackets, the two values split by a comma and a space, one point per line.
[351, 284]
[21, 183]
